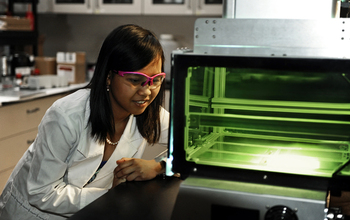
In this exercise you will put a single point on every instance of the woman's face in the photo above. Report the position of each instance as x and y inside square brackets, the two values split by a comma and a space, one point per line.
[127, 99]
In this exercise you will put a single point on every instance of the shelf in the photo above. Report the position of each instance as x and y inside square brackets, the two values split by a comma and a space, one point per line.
[26, 1]
[18, 37]
[13, 38]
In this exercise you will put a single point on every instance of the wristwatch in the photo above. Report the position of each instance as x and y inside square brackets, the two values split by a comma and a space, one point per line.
[163, 164]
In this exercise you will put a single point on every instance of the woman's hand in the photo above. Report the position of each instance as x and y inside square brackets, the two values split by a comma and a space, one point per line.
[133, 169]
[117, 181]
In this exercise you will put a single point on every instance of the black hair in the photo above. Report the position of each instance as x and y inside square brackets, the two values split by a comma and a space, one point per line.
[126, 48]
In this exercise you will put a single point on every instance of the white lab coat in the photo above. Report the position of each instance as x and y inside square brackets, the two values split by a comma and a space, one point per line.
[49, 181]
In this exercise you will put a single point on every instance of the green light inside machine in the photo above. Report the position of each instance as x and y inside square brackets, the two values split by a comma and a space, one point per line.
[280, 121]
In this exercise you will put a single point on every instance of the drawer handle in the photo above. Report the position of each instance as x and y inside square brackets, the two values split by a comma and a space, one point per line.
[29, 111]
[30, 141]
[199, 5]
[189, 5]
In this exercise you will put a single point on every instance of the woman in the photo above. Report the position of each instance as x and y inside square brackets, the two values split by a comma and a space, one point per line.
[92, 140]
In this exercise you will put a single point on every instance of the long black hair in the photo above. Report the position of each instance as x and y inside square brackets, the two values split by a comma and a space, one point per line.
[126, 48]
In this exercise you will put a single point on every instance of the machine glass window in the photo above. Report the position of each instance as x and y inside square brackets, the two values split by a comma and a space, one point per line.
[285, 121]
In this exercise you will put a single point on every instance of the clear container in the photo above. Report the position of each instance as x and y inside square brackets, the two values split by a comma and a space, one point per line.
[6, 80]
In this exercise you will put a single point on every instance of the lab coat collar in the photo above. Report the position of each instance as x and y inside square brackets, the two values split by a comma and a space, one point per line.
[131, 136]
[90, 147]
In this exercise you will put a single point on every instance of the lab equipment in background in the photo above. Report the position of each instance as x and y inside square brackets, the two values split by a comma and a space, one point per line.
[72, 65]
[15, 69]
[4, 74]
[46, 82]
[46, 65]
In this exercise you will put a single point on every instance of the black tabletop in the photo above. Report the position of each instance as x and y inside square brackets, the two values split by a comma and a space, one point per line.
[153, 199]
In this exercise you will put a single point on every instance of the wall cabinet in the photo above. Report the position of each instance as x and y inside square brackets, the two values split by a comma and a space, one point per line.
[183, 7]
[97, 6]
[118, 7]
[83, 6]
[137, 7]
[19, 123]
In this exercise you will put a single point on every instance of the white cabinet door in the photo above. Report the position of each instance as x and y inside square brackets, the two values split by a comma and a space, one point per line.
[73, 6]
[147, 7]
[208, 7]
[168, 7]
[118, 6]
[45, 6]
[183, 7]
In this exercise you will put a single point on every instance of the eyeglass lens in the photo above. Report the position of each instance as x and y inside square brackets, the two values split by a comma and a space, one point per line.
[137, 80]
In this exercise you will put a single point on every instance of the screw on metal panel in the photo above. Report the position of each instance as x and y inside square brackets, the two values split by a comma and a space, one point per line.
[272, 55]
[207, 21]
[295, 209]
[340, 216]
[284, 55]
[214, 29]
[214, 36]
[214, 21]
[196, 36]
[197, 28]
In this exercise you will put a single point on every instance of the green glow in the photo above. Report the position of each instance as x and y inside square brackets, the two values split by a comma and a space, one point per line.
[290, 162]
[252, 119]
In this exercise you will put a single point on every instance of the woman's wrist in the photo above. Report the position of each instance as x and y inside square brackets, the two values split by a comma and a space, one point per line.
[162, 165]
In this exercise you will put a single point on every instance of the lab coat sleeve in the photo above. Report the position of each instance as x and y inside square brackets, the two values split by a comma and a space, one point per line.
[163, 139]
[47, 188]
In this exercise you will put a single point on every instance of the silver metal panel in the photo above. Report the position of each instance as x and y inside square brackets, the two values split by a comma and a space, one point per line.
[273, 37]
[195, 201]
